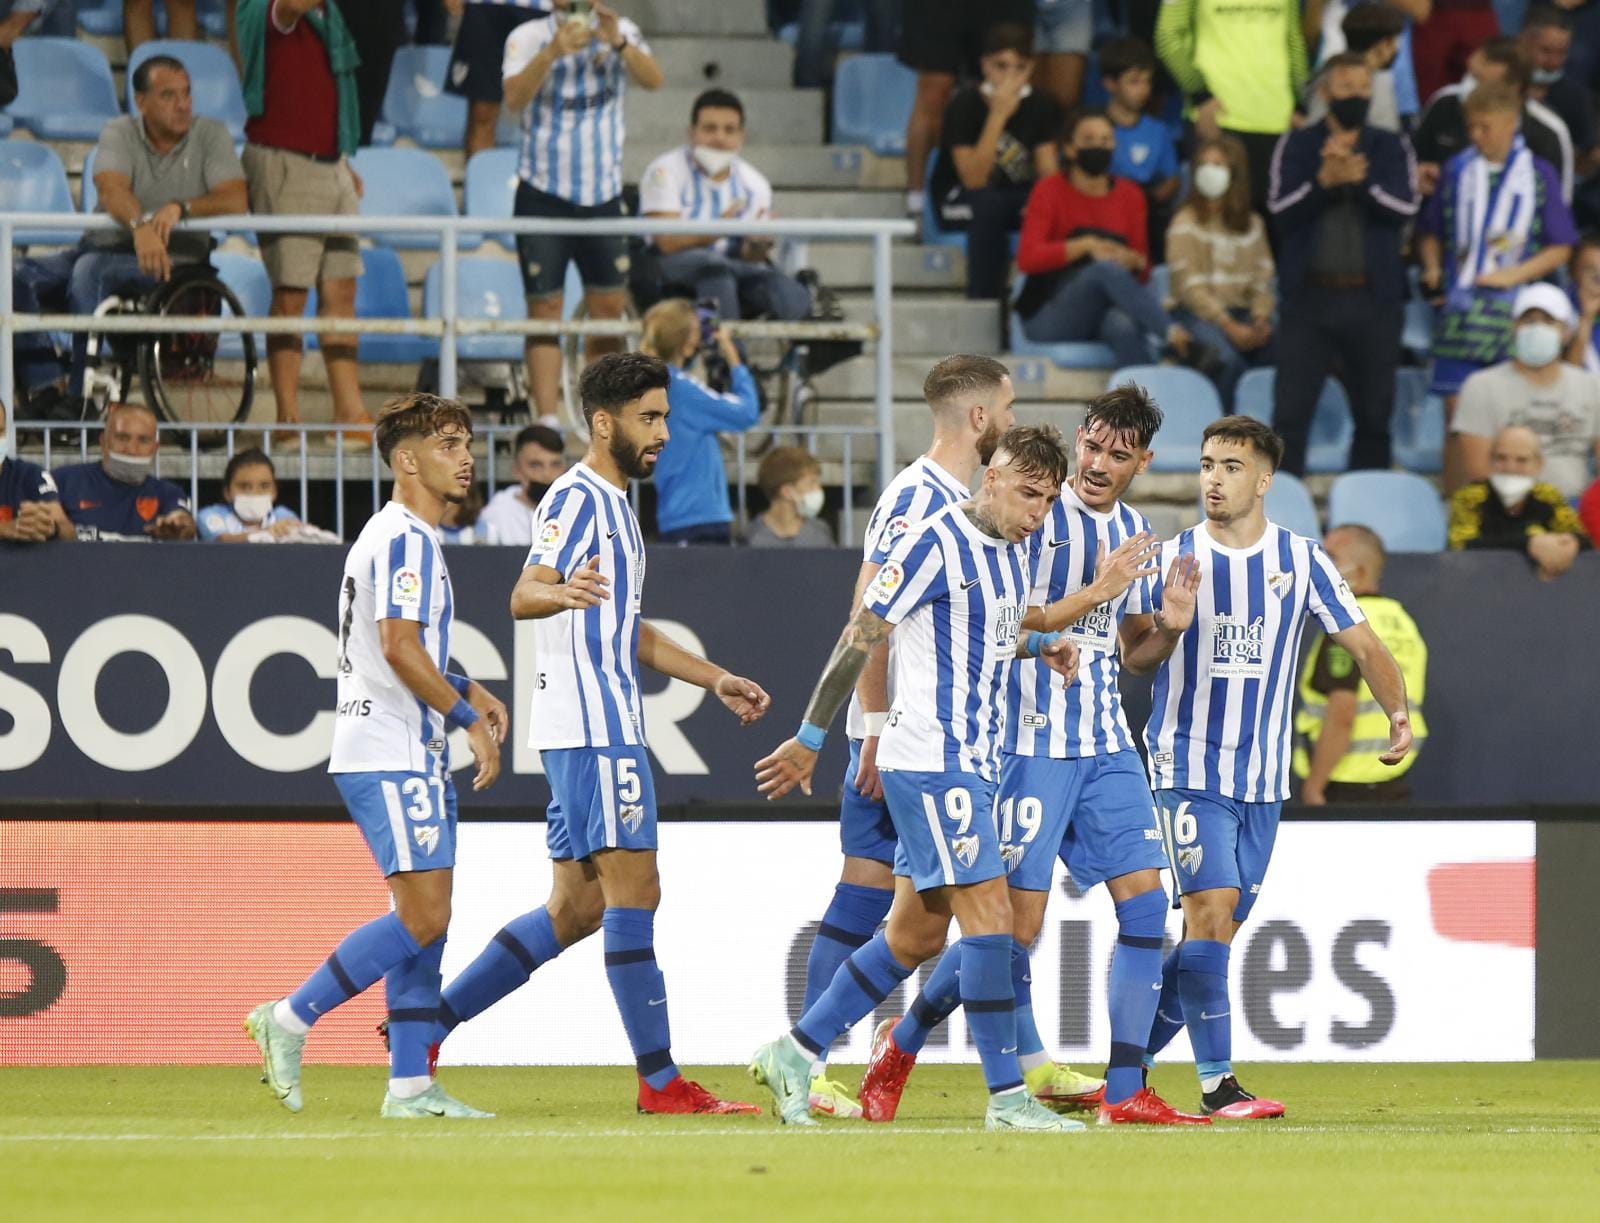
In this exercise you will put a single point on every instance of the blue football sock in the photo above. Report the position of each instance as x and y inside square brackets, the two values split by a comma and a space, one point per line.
[1203, 985]
[863, 981]
[640, 991]
[501, 967]
[1169, 1009]
[366, 954]
[852, 918]
[991, 1008]
[1029, 1042]
[937, 1001]
[412, 990]
[1135, 989]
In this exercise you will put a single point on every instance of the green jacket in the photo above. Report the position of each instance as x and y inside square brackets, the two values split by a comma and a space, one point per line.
[328, 22]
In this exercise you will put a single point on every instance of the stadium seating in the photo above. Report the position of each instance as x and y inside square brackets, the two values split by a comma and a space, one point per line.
[247, 277]
[213, 80]
[1416, 334]
[417, 106]
[104, 17]
[485, 288]
[88, 196]
[1289, 504]
[1068, 354]
[406, 183]
[491, 188]
[1404, 509]
[65, 90]
[1332, 426]
[32, 179]
[872, 98]
[1418, 425]
[1190, 403]
[381, 293]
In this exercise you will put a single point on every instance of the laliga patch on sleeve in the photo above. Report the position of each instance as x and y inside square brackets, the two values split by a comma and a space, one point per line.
[550, 536]
[405, 588]
[886, 583]
[894, 529]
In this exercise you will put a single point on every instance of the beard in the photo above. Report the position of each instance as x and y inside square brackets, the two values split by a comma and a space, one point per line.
[988, 443]
[630, 458]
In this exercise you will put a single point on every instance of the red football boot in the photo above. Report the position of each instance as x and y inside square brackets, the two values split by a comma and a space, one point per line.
[1233, 1103]
[887, 1070]
[685, 1096]
[1145, 1108]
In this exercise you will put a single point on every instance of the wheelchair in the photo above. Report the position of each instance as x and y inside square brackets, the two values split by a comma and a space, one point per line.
[193, 377]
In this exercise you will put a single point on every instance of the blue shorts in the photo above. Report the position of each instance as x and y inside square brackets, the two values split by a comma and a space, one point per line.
[600, 798]
[1217, 842]
[408, 819]
[946, 827]
[865, 829]
[1095, 812]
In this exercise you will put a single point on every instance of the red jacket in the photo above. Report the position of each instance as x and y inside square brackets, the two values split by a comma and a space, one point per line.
[1057, 211]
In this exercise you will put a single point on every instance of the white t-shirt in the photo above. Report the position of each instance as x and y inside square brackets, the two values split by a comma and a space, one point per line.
[507, 519]
[674, 182]
[1565, 415]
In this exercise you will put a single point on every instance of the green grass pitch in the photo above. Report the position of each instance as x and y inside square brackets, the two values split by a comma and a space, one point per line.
[1412, 1142]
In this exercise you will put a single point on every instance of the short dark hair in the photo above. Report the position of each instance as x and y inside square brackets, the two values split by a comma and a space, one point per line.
[1507, 52]
[784, 465]
[1366, 25]
[961, 375]
[141, 74]
[1247, 431]
[618, 379]
[1546, 16]
[1126, 410]
[417, 414]
[253, 457]
[542, 436]
[716, 99]
[1079, 117]
[1126, 55]
[1009, 36]
[1345, 59]
[1036, 450]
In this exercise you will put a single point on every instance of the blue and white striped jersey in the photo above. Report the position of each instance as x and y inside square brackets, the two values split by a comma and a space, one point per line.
[572, 131]
[394, 571]
[1219, 717]
[587, 694]
[918, 492]
[1085, 719]
[675, 183]
[957, 597]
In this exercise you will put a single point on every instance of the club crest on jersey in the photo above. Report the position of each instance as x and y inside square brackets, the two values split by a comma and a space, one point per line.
[888, 580]
[405, 588]
[1007, 622]
[550, 536]
[965, 849]
[1190, 857]
[1011, 856]
[632, 816]
[1280, 584]
[1238, 648]
[427, 839]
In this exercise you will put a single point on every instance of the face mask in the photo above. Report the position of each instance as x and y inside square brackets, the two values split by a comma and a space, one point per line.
[987, 90]
[1538, 344]
[809, 504]
[713, 161]
[1509, 488]
[1212, 180]
[1350, 112]
[1468, 84]
[1093, 162]
[128, 468]
[534, 490]
[1546, 76]
[253, 507]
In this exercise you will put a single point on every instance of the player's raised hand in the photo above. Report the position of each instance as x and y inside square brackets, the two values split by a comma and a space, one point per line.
[1399, 738]
[744, 697]
[1061, 656]
[586, 587]
[1132, 559]
[1178, 594]
[790, 766]
[492, 710]
[485, 753]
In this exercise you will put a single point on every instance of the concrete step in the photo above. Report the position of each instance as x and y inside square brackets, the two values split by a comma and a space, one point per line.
[837, 205]
[659, 119]
[934, 325]
[857, 379]
[664, 18]
[848, 265]
[833, 167]
[732, 63]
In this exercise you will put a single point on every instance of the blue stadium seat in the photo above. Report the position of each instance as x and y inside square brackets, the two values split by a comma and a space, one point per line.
[1404, 509]
[1190, 403]
[405, 183]
[1332, 426]
[842, 35]
[933, 232]
[32, 179]
[104, 17]
[1068, 354]
[1289, 504]
[247, 277]
[381, 293]
[491, 188]
[65, 90]
[213, 80]
[1418, 426]
[485, 288]
[88, 197]
[1416, 333]
[872, 98]
[1161, 283]
[416, 104]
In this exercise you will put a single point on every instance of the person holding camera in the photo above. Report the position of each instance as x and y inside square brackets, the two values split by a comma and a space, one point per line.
[692, 503]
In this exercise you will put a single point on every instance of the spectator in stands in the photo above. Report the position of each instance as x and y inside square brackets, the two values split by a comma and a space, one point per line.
[1339, 721]
[692, 505]
[1584, 275]
[1497, 222]
[567, 75]
[1342, 195]
[1546, 40]
[1443, 42]
[999, 138]
[249, 512]
[152, 171]
[939, 41]
[377, 27]
[790, 479]
[813, 49]
[1145, 150]
[1442, 130]
[1064, 35]
[459, 523]
[118, 497]
[1372, 31]
[1242, 67]
[1513, 509]
[1559, 403]
[537, 462]
[300, 91]
[1083, 250]
[707, 180]
[139, 21]
[19, 18]
[1221, 264]
[30, 507]
[476, 58]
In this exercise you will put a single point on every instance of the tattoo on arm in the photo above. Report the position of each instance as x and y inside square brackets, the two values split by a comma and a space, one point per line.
[865, 630]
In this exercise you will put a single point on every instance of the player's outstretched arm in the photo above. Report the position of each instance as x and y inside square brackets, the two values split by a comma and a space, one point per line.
[1131, 561]
[792, 764]
[1147, 641]
[660, 653]
[541, 592]
[403, 651]
[1388, 684]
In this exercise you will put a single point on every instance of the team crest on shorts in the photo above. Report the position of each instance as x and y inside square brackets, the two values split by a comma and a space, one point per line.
[1190, 857]
[427, 839]
[632, 816]
[1011, 857]
[965, 850]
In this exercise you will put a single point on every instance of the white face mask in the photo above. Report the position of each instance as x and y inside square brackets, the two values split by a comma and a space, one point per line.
[1538, 344]
[714, 162]
[987, 89]
[1511, 489]
[128, 468]
[1212, 180]
[809, 504]
[252, 507]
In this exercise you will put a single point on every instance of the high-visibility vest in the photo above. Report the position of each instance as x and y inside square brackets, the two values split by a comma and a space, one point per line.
[1369, 738]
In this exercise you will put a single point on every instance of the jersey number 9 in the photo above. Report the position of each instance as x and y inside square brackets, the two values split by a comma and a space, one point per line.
[957, 807]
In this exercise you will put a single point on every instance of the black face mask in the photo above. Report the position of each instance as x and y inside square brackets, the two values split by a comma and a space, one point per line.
[534, 491]
[1093, 162]
[1350, 112]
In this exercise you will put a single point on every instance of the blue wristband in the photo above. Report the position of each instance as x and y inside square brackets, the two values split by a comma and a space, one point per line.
[811, 735]
[1037, 641]
[461, 716]
[460, 683]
